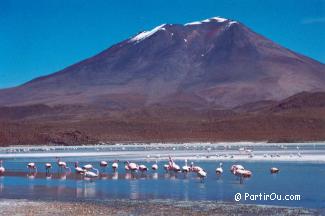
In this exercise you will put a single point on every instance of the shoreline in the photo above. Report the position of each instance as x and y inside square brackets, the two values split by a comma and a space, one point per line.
[130, 143]
[140, 157]
[242, 151]
[139, 207]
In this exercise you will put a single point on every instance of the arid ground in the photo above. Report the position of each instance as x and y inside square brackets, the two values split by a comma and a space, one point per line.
[129, 207]
[298, 118]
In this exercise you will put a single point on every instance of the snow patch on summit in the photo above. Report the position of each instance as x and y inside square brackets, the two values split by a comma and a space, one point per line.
[143, 35]
[218, 19]
[231, 23]
[215, 19]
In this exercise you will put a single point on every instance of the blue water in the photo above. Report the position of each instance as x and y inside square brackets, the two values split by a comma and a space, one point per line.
[304, 179]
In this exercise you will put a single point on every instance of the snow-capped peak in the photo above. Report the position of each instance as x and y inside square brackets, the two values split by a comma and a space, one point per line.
[213, 19]
[146, 34]
[143, 35]
[218, 19]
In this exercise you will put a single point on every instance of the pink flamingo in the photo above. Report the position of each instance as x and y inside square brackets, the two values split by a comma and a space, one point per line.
[103, 164]
[32, 167]
[78, 169]
[172, 166]
[202, 174]
[219, 170]
[239, 170]
[143, 168]
[115, 165]
[274, 170]
[185, 168]
[154, 166]
[235, 167]
[48, 166]
[91, 174]
[131, 166]
[63, 165]
[195, 169]
[87, 167]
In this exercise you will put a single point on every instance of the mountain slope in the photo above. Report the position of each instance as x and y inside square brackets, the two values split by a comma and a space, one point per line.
[215, 62]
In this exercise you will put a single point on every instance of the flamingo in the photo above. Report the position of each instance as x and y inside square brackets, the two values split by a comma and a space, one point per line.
[235, 167]
[239, 170]
[2, 169]
[244, 173]
[143, 168]
[195, 169]
[78, 169]
[219, 170]
[185, 168]
[91, 174]
[131, 166]
[48, 166]
[202, 174]
[32, 166]
[87, 167]
[115, 165]
[154, 166]
[274, 170]
[103, 164]
[169, 166]
[63, 165]
[173, 166]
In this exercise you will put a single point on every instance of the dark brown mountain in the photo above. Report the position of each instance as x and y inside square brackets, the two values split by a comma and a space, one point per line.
[212, 63]
[214, 80]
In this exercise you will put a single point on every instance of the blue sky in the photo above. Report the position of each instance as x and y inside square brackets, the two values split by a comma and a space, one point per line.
[39, 37]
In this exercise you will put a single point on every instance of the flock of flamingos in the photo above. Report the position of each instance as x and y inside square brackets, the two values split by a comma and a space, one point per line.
[90, 171]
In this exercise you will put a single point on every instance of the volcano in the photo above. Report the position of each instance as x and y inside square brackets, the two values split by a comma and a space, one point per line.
[212, 80]
[211, 63]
